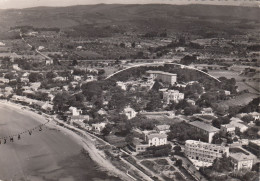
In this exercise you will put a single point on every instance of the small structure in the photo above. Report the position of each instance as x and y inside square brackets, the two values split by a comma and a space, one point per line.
[122, 85]
[77, 78]
[241, 161]
[129, 112]
[227, 128]
[98, 127]
[180, 49]
[165, 128]
[48, 62]
[238, 123]
[79, 118]
[207, 111]
[4, 80]
[74, 111]
[191, 102]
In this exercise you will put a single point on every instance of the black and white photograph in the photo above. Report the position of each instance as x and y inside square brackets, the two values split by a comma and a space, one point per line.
[129, 90]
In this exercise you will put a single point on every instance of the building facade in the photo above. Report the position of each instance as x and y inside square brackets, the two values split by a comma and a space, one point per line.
[254, 147]
[241, 161]
[205, 152]
[156, 139]
[172, 95]
[165, 77]
[206, 129]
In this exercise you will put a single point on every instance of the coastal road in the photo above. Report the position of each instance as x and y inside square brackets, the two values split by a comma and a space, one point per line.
[49, 154]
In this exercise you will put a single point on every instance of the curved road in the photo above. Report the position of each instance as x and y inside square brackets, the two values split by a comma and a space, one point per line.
[160, 64]
[45, 155]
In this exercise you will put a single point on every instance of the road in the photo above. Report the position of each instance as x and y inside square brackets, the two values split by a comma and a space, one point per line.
[49, 154]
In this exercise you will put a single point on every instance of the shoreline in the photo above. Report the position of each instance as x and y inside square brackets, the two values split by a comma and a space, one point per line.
[86, 141]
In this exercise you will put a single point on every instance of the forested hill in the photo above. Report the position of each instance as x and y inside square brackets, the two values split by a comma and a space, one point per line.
[123, 14]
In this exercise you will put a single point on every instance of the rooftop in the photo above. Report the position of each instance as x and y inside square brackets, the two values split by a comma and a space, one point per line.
[204, 126]
[159, 72]
[163, 127]
[156, 135]
[240, 156]
[202, 143]
[257, 142]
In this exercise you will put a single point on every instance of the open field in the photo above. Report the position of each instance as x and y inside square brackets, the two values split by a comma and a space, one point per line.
[227, 73]
[240, 100]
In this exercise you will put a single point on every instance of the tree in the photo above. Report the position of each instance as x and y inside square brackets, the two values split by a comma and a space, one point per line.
[75, 62]
[50, 75]
[178, 163]
[133, 45]
[106, 131]
[177, 150]
[247, 118]
[35, 77]
[60, 102]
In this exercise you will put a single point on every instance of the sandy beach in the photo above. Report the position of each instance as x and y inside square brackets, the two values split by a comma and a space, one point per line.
[54, 153]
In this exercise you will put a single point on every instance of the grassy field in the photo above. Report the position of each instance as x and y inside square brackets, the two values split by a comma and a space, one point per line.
[164, 119]
[227, 73]
[240, 100]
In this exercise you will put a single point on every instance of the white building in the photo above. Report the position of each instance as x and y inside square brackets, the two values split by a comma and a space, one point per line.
[156, 139]
[206, 129]
[48, 62]
[122, 85]
[98, 127]
[74, 111]
[191, 102]
[172, 95]
[129, 112]
[238, 123]
[165, 77]
[77, 78]
[4, 80]
[79, 118]
[205, 152]
[207, 111]
[59, 78]
[241, 161]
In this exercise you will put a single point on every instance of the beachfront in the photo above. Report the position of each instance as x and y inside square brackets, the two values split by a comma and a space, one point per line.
[51, 153]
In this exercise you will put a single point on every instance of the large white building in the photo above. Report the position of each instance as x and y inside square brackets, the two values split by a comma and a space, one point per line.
[205, 152]
[129, 112]
[206, 129]
[241, 161]
[165, 77]
[172, 95]
[151, 138]
[156, 139]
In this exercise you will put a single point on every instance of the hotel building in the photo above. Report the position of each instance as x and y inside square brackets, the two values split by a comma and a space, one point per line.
[205, 152]
[241, 161]
[165, 77]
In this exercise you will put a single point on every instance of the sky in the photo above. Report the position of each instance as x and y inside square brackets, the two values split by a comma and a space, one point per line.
[6, 4]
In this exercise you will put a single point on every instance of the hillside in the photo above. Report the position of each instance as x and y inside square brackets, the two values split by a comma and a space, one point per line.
[134, 17]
